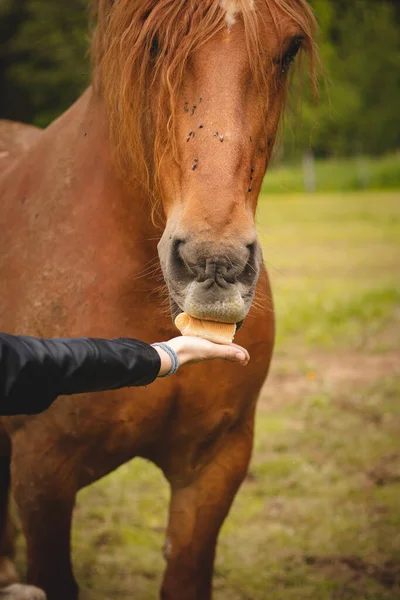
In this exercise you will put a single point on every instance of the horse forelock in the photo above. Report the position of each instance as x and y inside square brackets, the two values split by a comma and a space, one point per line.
[140, 50]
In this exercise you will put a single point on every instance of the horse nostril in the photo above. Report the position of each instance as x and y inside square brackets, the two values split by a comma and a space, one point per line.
[252, 249]
[176, 244]
[177, 254]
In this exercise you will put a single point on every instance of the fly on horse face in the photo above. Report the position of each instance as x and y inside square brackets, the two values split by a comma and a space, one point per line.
[159, 162]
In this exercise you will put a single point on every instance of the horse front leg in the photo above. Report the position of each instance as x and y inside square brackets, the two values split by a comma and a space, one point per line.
[196, 514]
[42, 483]
[8, 573]
[9, 589]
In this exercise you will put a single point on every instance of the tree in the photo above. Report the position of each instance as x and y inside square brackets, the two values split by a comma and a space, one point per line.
[357, 111]
[45, 63]
[44, 67]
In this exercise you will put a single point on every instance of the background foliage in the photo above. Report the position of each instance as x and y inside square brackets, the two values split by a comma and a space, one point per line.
[44, 67]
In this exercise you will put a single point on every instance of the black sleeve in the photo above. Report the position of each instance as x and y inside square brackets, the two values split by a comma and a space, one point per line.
[33, 371]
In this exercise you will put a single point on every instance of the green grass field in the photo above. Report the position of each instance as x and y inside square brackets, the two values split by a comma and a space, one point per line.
[337, 175]
[318, 516]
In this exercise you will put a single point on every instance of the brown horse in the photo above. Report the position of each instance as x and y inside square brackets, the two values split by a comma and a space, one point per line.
[163, 157]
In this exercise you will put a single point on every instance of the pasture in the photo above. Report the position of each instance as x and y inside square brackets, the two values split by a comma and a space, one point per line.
[318, 516]
[337, 175]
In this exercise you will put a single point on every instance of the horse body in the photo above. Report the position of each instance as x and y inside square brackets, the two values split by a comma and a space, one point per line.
[81, 242]
[15, 138]
[77, 249]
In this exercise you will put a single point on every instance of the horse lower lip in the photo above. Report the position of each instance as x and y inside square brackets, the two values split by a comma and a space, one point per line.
[232, 312]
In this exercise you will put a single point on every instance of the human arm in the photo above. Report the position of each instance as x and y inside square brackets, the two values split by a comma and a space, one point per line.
[34, 371]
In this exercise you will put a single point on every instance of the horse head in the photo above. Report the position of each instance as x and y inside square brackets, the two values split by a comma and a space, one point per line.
[194, 92]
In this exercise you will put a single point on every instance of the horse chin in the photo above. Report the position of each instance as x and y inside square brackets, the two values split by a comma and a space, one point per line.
[210, 302]
[221, 312]
[234, 312]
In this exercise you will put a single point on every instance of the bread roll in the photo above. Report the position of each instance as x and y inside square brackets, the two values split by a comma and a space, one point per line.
[219, 333]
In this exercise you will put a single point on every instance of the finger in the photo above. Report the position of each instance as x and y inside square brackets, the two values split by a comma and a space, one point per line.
[210, 350]
[241, 349]
[194, 349]
[234, 353]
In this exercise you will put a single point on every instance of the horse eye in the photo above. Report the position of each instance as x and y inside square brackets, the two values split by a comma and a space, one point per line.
[290, 54]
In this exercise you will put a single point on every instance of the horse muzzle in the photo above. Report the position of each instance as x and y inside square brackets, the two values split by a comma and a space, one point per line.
[215, 282]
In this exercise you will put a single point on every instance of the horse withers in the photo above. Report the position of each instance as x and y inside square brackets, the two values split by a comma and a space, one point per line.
[160, 162]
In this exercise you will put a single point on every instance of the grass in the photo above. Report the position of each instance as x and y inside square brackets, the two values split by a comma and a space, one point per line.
[332, 260]
[338, 175]
[318, 516]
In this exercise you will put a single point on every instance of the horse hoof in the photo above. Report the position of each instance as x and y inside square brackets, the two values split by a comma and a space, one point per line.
[17, 591]
[8, 574]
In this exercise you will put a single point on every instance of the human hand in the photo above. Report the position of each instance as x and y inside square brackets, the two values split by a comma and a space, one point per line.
[193, 349]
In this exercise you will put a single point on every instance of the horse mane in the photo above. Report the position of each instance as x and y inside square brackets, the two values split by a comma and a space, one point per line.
[140, 49]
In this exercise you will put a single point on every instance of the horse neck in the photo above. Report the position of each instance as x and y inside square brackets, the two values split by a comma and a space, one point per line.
[99, 182]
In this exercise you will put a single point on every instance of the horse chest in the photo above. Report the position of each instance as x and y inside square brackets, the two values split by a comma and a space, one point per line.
[189, 445]
[201, 420]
